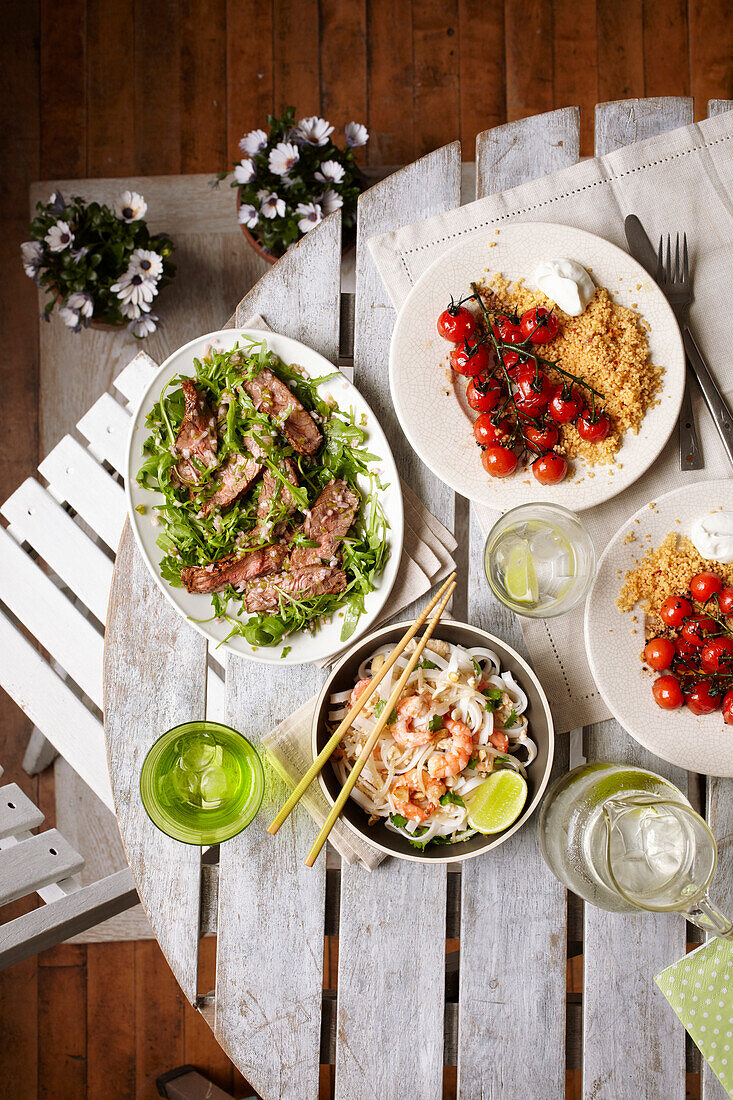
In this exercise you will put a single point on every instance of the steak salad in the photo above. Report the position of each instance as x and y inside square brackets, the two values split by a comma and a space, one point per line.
[262, 509]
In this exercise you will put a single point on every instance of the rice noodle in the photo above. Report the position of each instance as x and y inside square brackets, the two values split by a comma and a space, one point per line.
[465, 685]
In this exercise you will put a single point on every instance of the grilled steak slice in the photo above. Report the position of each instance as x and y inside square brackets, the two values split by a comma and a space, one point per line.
[329, 521]
[272, 489]
[197, 435]
[237, 474]
[320, 580]
[235, 569]
[271, 396]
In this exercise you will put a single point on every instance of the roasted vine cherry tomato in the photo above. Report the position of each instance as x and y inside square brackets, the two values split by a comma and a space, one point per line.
[484, 431]
[469, 359]
[506, 331]
[534, 389]
[513, 361]
[674, 610]
[667, 693]
[540, 325]
[725, 601]
[483, 394]
[565, 407]
[544, 437]
[494, 433]
[550, 469]
[705, 585]
[728, 708]
[593, 429]
[456, 323]
[659, 653]
[696, 627]
[685, 651]
[717, 655]
[499, 461]
[702, 699]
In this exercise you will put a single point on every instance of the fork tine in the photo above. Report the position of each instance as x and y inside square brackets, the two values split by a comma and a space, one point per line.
[668, 265]
[677, 265]
[685, 260]
[660, 258]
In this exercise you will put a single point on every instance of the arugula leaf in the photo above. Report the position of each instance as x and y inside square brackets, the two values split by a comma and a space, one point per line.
[285, 650]
[435, 723]
[450, 797]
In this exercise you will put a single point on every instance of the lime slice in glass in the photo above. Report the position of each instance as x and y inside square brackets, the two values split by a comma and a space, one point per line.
[498, 802]
[520, 576]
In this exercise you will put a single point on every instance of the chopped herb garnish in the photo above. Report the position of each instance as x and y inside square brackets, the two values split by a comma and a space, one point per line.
[451, 797]
[392, 718]
[425, 663]
[379, 706]
[435, 723]
[476, 666]
[511, 720]
[398, 820]
[492, 697]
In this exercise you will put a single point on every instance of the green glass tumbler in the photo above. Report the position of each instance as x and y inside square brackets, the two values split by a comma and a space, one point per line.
[202, 783]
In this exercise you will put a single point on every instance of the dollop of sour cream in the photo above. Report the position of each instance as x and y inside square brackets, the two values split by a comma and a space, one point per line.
[712, 536]
[567, 283]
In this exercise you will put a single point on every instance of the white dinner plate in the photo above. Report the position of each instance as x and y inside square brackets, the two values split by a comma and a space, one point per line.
[305, 647]
[429, 398]
[698, 743]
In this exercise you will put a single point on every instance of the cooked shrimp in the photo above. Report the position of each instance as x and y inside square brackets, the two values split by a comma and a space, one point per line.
[499, 740]
[453, 761]
[358, 690]
[416, 797]
[406, 731]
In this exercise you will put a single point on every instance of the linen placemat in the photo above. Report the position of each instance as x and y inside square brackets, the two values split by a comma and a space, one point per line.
[680, 181]
[426, 559]
[700, 990]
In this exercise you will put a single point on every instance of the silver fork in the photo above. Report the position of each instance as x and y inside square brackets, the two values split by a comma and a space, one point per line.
[677, 285]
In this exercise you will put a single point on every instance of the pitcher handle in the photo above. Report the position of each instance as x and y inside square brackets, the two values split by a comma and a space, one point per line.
[705, 915]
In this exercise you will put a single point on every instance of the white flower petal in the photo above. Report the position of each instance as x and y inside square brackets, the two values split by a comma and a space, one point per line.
[245, 171]
[59, 237]
[314, 130]
[147, 263]
[311, 215]
[253, 142]
[272, 206]
[356, 134]
[130, 206]
[283, 157]
[248, 215]
[330, 172]
[330, 201]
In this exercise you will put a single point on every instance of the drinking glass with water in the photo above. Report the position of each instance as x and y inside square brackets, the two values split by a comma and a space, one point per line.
[202, 783]
[539, 560]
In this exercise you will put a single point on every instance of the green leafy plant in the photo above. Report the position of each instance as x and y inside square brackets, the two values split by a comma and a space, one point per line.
[290, 179]
[98, 264]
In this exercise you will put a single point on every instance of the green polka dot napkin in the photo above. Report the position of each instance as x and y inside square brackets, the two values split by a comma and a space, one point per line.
[700, 990]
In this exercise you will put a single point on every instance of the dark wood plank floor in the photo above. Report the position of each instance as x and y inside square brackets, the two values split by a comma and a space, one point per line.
[104, 87]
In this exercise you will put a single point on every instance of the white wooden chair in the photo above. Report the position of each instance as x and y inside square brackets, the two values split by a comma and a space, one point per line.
[46, 864]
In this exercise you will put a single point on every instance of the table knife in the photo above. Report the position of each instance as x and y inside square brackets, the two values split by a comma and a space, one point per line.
[643, 251]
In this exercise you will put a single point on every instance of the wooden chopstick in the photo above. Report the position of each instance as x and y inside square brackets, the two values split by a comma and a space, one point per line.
[333, 741]
[373, 736]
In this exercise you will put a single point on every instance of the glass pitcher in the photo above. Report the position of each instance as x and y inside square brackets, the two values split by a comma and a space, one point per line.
[626, 839]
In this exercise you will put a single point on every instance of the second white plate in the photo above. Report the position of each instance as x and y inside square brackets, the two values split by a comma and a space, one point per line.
[429, 398]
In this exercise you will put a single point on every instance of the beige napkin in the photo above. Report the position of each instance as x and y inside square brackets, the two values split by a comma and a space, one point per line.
[682, 180]
[426, 559]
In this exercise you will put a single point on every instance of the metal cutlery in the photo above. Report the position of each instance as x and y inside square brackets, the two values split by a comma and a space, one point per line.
[674, 279]
[641, 249]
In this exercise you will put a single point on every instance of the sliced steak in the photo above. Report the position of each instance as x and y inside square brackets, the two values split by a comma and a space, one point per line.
[272, 489]
[320, 580]
[236, 569]
[271, 396]
[236, 475]
[197, 435]
[329, 521]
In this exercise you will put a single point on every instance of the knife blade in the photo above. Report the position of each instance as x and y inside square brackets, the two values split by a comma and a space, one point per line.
[643, 251]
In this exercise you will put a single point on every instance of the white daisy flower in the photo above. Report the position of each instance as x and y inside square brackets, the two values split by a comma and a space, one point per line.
[133, 287]
[282, 158]
[272, 206]
[132, 311]
[356, 134]
[82, 303]
[79, 253]
[70, 317]
[330, 200]
[146, 263]
[310, 215]
[253, 142]
[331, 172]
[248, 215]
[314, 130]
[144, 326]
[59, 237]
[31, 253]
[245, 170]
[130, 206]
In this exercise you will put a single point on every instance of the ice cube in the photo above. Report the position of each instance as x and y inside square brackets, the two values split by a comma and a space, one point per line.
[214, 784]
[197, 750]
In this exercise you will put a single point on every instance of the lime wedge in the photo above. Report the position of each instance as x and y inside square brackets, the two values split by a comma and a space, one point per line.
[520, 577]
[498, 802]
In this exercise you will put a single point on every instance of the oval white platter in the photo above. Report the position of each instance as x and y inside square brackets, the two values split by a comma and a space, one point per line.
[429, 398]
[305, 647]
[698, 743]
